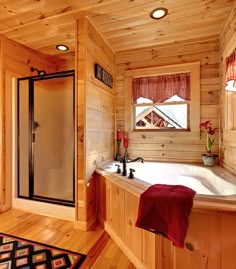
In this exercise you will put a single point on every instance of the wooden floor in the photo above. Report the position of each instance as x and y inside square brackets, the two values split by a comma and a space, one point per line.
[101, 250]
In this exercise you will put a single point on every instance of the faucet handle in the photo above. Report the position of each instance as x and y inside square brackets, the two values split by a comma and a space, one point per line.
[131, 173]
[118, 168]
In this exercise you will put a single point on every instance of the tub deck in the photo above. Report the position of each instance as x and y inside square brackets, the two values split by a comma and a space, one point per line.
[215, 187]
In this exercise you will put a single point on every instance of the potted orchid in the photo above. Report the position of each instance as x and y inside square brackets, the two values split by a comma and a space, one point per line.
[208, 157]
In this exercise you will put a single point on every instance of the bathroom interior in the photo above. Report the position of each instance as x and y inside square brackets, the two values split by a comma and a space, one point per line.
[95, 111]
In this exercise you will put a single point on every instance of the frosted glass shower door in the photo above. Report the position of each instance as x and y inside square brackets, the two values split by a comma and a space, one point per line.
[53, 139]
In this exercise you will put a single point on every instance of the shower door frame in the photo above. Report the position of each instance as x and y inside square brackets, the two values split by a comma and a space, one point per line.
[31, 80]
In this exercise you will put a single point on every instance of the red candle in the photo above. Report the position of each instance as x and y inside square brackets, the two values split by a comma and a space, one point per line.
[125, 141]
[118, 135]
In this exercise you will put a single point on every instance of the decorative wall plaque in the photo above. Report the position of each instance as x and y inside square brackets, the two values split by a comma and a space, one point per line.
[103, 75]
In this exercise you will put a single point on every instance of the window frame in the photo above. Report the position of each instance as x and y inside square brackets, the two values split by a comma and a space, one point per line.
[228, 107]
[194, 109]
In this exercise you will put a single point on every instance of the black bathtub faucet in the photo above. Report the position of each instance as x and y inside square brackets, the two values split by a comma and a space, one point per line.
[135, 160]
[124, 161]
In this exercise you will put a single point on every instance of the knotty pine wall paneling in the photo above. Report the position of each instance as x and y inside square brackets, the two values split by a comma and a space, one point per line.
[15, 62]
[95, 117]
[228, 137]
[172, 146]
[81, 89]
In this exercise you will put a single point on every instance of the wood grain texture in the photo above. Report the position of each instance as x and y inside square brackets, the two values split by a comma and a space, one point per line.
[228, 135]
[132, 233]
[117, 210]
[96, 244]
[209, 242]
[124, 24]
[177, 147]
[96, 119]
[206, 251]
[228, 224]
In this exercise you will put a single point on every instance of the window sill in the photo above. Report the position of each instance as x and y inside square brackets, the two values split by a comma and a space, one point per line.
[162, 130]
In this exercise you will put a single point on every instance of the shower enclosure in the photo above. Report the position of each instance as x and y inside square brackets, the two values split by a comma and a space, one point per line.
[45, 127]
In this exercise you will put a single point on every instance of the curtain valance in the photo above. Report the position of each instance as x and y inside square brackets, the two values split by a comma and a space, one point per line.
[230, 75]
[160, 88]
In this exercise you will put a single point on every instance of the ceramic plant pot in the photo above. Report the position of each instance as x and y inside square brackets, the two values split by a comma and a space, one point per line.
[209, 160]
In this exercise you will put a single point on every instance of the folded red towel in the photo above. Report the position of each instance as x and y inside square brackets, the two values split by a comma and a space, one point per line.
[165, 209]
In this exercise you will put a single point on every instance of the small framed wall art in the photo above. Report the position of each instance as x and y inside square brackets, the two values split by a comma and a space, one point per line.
[102, 75]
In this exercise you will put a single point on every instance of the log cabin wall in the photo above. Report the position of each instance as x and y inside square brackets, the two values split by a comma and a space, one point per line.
[228, 135]
[172, 146]
[15, 62]
[95, 117]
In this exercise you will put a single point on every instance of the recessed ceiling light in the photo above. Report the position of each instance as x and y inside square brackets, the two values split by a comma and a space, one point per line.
[158, 13]
[62, 47]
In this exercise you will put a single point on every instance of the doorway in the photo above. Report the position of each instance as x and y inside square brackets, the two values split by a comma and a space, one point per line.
[46, 138]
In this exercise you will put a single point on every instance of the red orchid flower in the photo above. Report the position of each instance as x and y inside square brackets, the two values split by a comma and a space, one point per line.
[207, 125]
[211, 131]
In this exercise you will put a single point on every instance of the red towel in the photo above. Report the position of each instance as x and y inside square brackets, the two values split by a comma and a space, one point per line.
[165, 209]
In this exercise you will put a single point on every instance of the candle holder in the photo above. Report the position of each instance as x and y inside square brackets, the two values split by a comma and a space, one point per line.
[118, 154]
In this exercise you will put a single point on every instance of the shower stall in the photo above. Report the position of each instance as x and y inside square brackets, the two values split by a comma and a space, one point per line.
[46, 138]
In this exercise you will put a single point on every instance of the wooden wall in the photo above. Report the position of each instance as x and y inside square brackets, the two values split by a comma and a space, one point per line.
[172, 146]
[95, 111]
[15, 61]
[95, 117]
[228, 138]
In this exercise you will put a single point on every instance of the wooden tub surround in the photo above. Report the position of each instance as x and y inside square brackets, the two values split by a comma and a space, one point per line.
[208, 244]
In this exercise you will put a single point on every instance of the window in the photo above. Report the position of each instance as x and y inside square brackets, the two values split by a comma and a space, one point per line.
[168, 99]
[230, 75]
[230, 87]
[174, 106]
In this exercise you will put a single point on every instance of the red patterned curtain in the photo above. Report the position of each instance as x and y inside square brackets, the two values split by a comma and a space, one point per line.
[231, 67]
[230, 75]
[161, 88]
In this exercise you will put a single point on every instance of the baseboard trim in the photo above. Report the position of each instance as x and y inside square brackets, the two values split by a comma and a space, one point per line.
[101, 221]
[84, 226]
[91, 222]
[80, 225]
[137, 263]
[4, 208]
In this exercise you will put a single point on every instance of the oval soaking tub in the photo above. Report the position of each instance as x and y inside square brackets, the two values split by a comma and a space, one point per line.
[208, 182]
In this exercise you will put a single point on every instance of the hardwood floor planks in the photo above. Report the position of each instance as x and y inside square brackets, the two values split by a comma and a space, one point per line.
[96, 250]
[100, 249]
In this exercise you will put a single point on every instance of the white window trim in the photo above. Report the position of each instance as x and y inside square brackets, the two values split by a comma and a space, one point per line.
[193, 68]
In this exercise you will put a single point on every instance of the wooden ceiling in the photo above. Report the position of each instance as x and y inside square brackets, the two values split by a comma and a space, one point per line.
[124, 24]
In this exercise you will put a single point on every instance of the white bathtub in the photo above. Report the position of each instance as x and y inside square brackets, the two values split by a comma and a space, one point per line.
[205, 181]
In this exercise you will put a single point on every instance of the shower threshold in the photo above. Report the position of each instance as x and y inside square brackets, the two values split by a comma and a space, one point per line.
[46, 208]
[53, 201]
